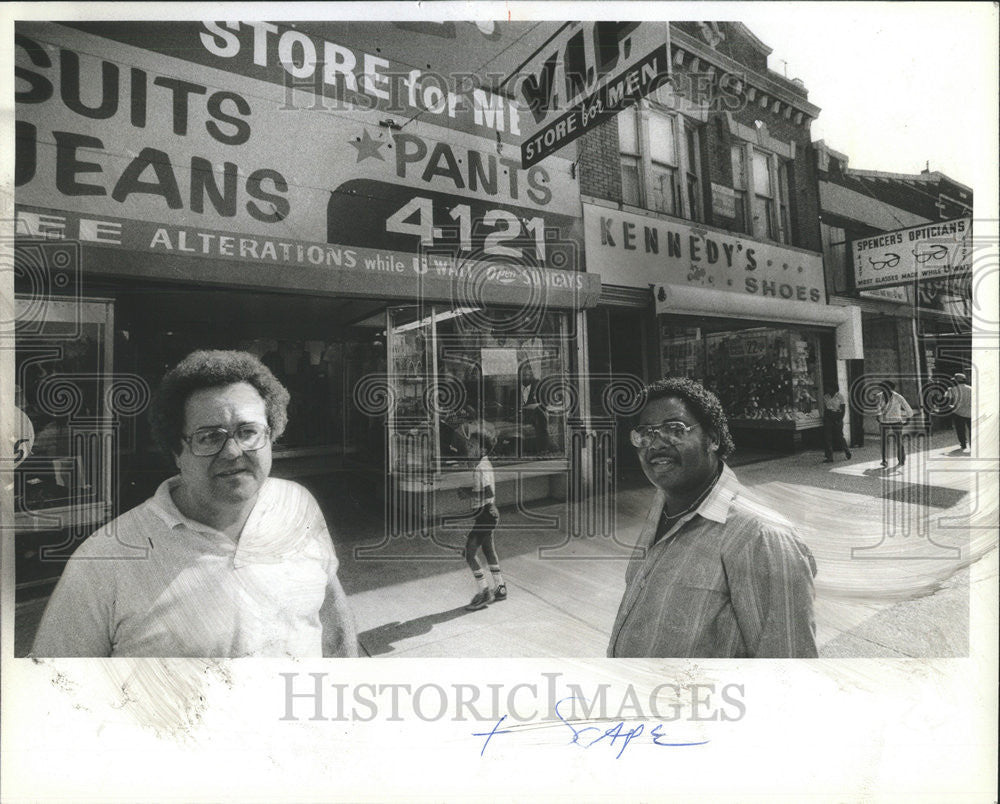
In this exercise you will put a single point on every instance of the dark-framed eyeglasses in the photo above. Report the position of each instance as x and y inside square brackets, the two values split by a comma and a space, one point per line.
[207, 441]
[668, 432]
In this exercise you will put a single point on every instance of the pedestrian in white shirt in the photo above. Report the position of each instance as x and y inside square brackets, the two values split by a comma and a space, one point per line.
[486, 517]
[893, 414]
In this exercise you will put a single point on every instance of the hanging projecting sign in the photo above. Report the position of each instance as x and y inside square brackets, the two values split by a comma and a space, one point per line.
[928, 251]
[271, 146]
[587, 72]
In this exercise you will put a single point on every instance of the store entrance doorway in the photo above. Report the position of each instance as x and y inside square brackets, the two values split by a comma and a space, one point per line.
[318, 347]
[617, 339]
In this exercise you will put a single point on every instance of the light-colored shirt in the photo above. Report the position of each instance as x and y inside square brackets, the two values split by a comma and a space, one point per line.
[836, 403]
[154, 583]
[895, 410]
[483, 484]
[960, 397]
[729, 580]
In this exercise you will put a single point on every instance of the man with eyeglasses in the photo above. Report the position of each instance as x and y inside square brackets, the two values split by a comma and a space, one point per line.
[223, 560]
[715, 572]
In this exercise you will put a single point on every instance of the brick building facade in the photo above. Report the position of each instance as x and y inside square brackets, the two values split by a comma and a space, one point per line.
[717, 162]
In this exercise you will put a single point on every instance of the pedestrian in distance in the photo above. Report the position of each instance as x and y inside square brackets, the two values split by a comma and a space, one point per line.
[223, 560]
[834, 407]
[892, 415]
[715, 573]
[486, 517]
[960, 404]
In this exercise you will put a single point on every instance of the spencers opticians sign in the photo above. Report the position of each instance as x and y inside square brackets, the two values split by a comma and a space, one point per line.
[930, 251]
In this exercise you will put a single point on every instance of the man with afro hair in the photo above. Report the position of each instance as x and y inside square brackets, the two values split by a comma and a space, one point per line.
[715, 573]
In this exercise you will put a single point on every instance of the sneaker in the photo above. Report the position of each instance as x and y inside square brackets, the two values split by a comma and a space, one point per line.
[500, 593]
[482, 599]
[828, 460]
[884, 463]
[847, 454]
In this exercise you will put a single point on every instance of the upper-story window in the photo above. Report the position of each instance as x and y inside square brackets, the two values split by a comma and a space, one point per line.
[660, 161]
[784, 221]
[739, 159]
[763, 195]
[631, 157]
[760, 183]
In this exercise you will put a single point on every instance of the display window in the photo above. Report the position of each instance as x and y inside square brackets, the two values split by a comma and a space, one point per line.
[456, 371]
[762, 375]
[62, 371]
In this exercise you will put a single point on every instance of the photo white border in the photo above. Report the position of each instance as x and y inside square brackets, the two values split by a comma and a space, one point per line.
[832, 730]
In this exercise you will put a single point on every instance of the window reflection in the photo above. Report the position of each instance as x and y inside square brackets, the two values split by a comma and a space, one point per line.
[59, 387]
[455, 371]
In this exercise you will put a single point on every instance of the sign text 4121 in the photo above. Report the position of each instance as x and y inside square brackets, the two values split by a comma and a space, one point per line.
[493, 232]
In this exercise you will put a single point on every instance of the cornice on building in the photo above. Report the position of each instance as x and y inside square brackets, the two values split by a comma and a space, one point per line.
[742, 29]
[767, 92]
[934, 177]
[824, 153]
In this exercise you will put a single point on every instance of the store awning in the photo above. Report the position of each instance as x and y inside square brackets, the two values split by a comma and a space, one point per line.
[679, 300]
[474, 284]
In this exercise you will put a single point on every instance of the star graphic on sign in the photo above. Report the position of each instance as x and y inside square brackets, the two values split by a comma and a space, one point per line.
[367, 147]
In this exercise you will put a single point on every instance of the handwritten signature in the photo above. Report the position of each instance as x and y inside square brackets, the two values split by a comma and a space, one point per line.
[617, 735]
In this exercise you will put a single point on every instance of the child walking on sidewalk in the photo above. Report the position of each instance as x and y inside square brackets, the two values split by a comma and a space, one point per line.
[482, 494]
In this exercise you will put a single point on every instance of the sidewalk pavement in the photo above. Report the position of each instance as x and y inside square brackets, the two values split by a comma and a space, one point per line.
[904, 594]
[893, 547]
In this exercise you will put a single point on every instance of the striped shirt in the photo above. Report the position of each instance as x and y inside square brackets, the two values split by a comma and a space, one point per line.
[729, 580]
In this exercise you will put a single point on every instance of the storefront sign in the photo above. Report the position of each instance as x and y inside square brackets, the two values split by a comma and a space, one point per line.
[952, 296]
[930, 251]
[588, 72]
[405, 67]
[896, 293]
[249, 260]
[639, 250]
[141, 150]
[723, 201]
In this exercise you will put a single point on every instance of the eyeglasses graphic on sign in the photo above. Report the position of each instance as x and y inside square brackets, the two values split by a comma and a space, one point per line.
[208, 441]
[936, 252]
[669, 432]
[891, 261]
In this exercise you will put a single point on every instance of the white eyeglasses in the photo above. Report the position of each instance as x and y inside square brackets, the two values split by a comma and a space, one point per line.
[668, 432]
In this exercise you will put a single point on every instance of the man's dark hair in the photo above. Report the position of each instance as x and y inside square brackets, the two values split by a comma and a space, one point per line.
[889, 385]
[212, 369]
[702, 403]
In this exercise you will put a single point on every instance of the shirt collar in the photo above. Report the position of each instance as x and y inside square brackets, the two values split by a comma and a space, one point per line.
[165, 508]
[163, 505]
[715, 506]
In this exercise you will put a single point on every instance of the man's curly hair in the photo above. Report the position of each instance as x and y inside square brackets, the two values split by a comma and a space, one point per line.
[212, 369]
[702, 403]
